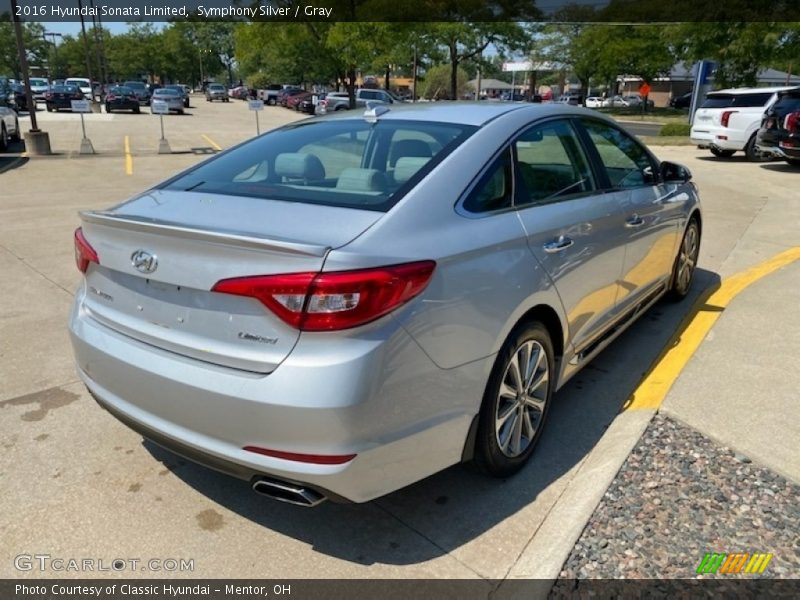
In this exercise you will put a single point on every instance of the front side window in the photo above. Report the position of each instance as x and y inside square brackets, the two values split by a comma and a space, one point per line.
[348, 163]
[626, 162]
[550, 164]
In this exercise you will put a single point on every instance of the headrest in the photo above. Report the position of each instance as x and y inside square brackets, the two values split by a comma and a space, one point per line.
[298, 165]
[407, 166]
[361, 180]
[408, 148]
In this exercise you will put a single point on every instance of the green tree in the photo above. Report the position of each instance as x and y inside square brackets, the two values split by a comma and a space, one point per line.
[437, 85]
[36, 47]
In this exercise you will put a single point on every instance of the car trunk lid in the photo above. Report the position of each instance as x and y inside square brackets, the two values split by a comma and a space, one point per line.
[161, 253]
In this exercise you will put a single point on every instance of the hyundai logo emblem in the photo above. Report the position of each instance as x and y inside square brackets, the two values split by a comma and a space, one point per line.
[143, 261]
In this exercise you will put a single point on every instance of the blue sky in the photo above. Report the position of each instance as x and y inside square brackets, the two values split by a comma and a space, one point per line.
[74, 28]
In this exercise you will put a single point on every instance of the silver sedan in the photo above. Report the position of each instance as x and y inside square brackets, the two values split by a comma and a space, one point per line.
[9, 126]
[171, 97]
[348, 304]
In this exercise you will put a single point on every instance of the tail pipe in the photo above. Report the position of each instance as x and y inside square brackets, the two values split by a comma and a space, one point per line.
[292, 493]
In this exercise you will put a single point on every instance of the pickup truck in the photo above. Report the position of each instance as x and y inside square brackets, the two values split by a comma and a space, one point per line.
[269, 94]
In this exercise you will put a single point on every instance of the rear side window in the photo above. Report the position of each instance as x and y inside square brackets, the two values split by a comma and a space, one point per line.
[787, 103]
[348, 163]
[494, 190]
[736, 100]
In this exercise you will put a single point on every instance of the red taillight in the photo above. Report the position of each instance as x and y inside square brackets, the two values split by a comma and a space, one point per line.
[317, 459]
[792, 122]
[111, 97]
[333, 301]
[77, 96]
[48, 95]
[726, 115]
[84, 253]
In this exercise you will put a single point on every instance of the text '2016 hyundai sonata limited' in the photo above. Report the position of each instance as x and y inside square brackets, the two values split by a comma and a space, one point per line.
[345, 305]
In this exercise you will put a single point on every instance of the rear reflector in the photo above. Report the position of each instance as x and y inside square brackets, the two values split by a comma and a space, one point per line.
[84, 253]
[317, 459]
[337, 300]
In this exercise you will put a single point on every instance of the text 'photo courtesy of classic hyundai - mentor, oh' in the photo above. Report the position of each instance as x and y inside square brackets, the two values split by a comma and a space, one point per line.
[348, 304]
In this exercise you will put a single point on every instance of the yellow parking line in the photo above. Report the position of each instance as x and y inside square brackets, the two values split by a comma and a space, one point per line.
[128, 157]
[213, 144]
[665, 370]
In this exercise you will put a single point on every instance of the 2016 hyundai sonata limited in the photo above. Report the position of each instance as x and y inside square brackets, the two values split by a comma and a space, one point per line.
[348, 304]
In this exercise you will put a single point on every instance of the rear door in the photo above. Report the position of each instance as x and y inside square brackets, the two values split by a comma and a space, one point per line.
[574, 230]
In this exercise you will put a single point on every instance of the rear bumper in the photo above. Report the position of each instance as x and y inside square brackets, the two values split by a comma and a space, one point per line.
[773, 142]
[365, 397]
[717, 137]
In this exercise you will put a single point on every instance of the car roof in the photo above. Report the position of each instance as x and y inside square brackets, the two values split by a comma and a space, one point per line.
[758, 90]
[466, 113]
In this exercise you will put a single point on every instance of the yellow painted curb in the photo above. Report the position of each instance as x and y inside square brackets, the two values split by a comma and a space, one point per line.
[128, 157]
[659, 379]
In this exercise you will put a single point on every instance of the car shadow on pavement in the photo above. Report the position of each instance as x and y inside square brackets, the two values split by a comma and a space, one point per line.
[781, 167]
[454, 507]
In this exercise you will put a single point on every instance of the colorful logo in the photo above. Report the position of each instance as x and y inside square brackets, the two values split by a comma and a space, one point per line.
[731, 564]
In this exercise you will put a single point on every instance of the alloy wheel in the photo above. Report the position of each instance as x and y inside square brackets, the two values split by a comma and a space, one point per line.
[687, 259]
[522, 398]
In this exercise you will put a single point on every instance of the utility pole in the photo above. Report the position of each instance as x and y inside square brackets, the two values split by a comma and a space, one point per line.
[36, 141]
[414, 78]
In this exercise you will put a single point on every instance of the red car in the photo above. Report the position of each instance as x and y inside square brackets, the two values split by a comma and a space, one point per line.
[295, 99]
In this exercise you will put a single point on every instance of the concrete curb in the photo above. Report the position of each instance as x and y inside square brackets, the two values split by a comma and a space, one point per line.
[551, 544]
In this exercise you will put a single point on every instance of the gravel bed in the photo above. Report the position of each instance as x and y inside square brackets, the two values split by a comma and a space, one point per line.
[678, 496]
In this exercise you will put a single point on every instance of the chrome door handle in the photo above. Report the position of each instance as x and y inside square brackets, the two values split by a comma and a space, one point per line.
[557, 245]
[634, 221]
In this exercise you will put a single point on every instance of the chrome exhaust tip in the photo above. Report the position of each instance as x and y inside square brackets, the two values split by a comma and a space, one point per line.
[291, 493]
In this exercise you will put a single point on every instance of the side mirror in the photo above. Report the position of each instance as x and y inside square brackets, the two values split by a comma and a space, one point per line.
[673, 172]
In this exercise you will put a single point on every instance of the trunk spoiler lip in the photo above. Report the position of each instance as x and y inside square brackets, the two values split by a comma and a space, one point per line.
[227, 237]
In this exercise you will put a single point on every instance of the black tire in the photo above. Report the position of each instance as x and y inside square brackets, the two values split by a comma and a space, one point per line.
[719, 153]
[501, 451]
[681, 282]
[17, 133]
[108, 109]
[137, 110]
[180, 112]
[752, 154]
[3, 137]
[794, 162]
[271, 101]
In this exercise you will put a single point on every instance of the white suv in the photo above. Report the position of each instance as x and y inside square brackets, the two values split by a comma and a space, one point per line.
[728, 120]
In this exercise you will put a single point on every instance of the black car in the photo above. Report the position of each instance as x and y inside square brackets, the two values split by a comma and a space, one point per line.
[15, 96]
[780, 128]
[682, 101]
[308, 106]
[61, 96]
[140, 90]
[122, 98]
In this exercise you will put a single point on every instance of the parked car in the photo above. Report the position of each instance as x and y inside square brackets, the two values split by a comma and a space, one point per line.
[216, 91]
[293, 100]
[779, 135]
[341, 100]
[18, 98]
[39, 86]
[9, 127]
[122, 98]
[594, 102]
[728, 121]
[571, 99]
[615, 102]
[270, 94]
[308, 106]
[239, 93]
[61, 97]
[285, 94]
[140, 91]
[181, 89]
[509, 97]
[637, 101]
[85, 85]
[173, 98]
[682, 101]
[290, 311]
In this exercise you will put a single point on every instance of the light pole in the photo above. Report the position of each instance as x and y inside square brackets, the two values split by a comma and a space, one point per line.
[53, 35]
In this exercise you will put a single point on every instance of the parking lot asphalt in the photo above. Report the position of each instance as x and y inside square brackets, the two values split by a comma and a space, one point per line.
[79, 484]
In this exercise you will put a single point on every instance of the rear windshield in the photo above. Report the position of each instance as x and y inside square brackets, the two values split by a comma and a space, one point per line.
[787, 103]
[135, 84]
[347, 163]
[740, 100]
